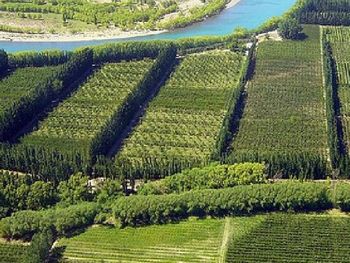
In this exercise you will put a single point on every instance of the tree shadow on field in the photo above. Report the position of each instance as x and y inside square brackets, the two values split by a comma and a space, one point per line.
[75, 232]
[56, 255]
[302, 36]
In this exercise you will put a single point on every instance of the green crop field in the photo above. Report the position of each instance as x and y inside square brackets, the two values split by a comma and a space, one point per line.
[293, 238]
[78, 123]
[11, 253]
[285, 105]
[339, 38]
[277, 237]
[190, 241]
[182, 124]
[21, 90]
[20, 83]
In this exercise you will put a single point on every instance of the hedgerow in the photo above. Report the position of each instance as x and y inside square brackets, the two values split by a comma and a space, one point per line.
[239, 200]
[210, 177]
[61, 220]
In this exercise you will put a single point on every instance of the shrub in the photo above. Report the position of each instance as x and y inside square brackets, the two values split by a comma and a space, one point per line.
[290, 28]
[211, 177]
[3, 61]
[39, 248]
[61, 220]
[342, 196]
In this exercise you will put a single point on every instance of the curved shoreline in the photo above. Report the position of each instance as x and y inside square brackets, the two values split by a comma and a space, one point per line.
[108, 34]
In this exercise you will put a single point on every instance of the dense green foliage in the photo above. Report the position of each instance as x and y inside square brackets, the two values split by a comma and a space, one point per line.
[284, 119]
[27, 91]
[332, 106]
[210, 177]
[3, 62]
[23, 192]
[290, 29]
[19, 192]
[75, 190]
[155, 209]
[116, 52]
[21, 93]
[30, 157]
[342, 196]
[336, 49]
[103, 97]
[293, 238]
[324, 12]
[190, 241]
[61, 220]
[39, 248]
[38, 59]
[182, 125]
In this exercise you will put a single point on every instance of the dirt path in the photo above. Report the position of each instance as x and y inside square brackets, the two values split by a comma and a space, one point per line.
[226, 236]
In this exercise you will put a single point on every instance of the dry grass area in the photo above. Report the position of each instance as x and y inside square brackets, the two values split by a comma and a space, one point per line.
[49, 23]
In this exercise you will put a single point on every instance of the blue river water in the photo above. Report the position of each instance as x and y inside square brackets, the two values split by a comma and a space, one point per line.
[247, 13]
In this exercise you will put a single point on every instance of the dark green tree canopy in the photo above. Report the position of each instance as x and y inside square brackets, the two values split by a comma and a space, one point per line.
[290, 28]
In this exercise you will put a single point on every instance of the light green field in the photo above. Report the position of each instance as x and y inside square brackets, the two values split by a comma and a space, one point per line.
[182, 125]
[103, 95]
[277, 237]
[11, 253]
[285, 106]
[294, 238]
[191, 241]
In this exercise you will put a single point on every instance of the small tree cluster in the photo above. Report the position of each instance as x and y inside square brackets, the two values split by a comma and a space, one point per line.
[290, 28]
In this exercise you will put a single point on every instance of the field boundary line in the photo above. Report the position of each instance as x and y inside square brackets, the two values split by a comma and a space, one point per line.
[137, 116]
[324, 89]
[227, 233]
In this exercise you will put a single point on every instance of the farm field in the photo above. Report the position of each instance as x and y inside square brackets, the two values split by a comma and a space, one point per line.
[16, 89]
[15, 86]
[339, 39]
[190, 241]
[285, 107]
[182, 125]
[277, 237]
[294, 238]
[11, 253]
[102, 98]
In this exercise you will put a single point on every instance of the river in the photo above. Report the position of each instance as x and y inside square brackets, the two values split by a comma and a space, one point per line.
[247, 13]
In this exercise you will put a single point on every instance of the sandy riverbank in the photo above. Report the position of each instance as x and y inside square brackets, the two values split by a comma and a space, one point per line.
[101, 35]
[105, 34]
[232, 3]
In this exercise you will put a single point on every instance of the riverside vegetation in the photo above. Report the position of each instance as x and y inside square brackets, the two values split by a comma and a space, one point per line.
[70, 17]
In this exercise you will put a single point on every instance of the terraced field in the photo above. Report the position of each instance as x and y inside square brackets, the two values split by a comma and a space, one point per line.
[182, 124]
[339, 38]
[84, 121]
[294, 238]
[191, 241]
[285, 106]
[11, 253]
